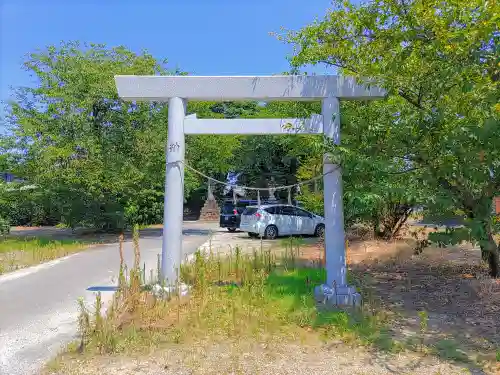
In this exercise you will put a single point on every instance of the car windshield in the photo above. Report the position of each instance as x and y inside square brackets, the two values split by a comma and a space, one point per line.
[228, 209]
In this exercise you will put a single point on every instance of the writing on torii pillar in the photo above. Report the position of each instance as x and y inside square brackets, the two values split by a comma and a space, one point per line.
[174, 147]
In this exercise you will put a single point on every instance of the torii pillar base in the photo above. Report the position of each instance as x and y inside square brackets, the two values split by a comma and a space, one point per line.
[337, 296]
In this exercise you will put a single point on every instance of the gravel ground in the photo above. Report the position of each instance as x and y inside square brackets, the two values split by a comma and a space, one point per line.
[245, 358]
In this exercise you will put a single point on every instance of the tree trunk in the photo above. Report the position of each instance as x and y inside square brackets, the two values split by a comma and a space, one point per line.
[402, 220]
[491, 255]
[484, 253]
[493, 249]
[493, 263]
[489, 248]
[394, 221]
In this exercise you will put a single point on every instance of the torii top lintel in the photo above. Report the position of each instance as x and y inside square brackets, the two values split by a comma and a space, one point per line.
[222, 88]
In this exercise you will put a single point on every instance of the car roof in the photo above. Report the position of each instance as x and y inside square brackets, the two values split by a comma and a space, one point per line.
[240, 201]
[273, 205]
[254, 201]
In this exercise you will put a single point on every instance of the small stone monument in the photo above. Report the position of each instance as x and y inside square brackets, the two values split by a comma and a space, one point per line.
[210, 210]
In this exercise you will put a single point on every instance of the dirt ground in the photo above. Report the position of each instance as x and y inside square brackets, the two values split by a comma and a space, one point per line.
[266, 358]
[449, 284]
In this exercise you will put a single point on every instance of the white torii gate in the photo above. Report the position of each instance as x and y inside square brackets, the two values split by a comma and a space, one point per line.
[178, 89]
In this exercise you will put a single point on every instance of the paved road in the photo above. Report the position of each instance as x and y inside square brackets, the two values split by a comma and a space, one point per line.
[38, 305]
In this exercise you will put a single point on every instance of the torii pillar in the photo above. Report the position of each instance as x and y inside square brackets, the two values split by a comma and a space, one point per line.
[177, 90]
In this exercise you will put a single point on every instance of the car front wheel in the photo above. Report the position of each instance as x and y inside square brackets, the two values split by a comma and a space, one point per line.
[231, 229]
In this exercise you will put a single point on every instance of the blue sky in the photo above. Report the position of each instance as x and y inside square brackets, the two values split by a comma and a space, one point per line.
[211, 37]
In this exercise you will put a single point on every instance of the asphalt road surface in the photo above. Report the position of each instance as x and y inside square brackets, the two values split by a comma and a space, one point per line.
[38, 305]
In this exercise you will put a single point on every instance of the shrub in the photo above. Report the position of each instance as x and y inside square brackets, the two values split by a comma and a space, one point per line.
[4, 226]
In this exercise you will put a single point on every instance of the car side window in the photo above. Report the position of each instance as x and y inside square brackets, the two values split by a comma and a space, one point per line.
[287, 210]
[302, 213]
[271, 210]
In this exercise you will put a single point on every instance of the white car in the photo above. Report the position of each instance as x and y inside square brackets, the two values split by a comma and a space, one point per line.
[273, 220]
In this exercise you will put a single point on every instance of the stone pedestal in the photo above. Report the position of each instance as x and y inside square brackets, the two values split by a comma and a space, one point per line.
[338, 296]
[210, 211]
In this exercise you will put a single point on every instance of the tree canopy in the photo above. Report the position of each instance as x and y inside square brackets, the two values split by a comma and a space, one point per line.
[439, 62]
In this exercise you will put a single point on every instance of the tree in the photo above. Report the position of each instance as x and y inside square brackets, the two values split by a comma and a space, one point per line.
[379, 189]
[95, 157]
[262, 159]
[267, 160]
[214, 155]
[439, 62]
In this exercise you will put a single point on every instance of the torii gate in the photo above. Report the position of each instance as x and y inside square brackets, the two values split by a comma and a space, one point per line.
[177, 90]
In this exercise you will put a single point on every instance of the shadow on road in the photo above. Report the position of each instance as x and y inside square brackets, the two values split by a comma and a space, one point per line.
[451, 222]
[92, 236]
[157, 232]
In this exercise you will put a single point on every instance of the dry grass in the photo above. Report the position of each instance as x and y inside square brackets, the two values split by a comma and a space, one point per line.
[250, 357]
[254, 313]
[19, 252]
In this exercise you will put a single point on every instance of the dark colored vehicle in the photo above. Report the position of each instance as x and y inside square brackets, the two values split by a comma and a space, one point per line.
[230, 215]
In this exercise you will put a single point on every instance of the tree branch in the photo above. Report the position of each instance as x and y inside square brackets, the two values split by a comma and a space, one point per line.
[467, 201]
[420, 95]
[406, 171]
[410, 100]
[338, 65]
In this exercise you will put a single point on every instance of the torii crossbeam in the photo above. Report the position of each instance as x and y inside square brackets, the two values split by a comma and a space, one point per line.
[177, 90]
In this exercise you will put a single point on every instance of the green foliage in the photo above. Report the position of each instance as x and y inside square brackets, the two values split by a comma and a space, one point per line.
[4, 226]
[26, 206]
[379, 189]
[450, 349]
[451, 236]
[268, 160]
[147, 207]
[439, 62]
[212, 154]
[235, 109]
[94, 157]
[312, 201]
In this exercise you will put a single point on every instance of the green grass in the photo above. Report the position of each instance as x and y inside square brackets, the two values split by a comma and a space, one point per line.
[292, 291]
[239, 298]
[17, 252]
[36, 244]
[449, 349]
